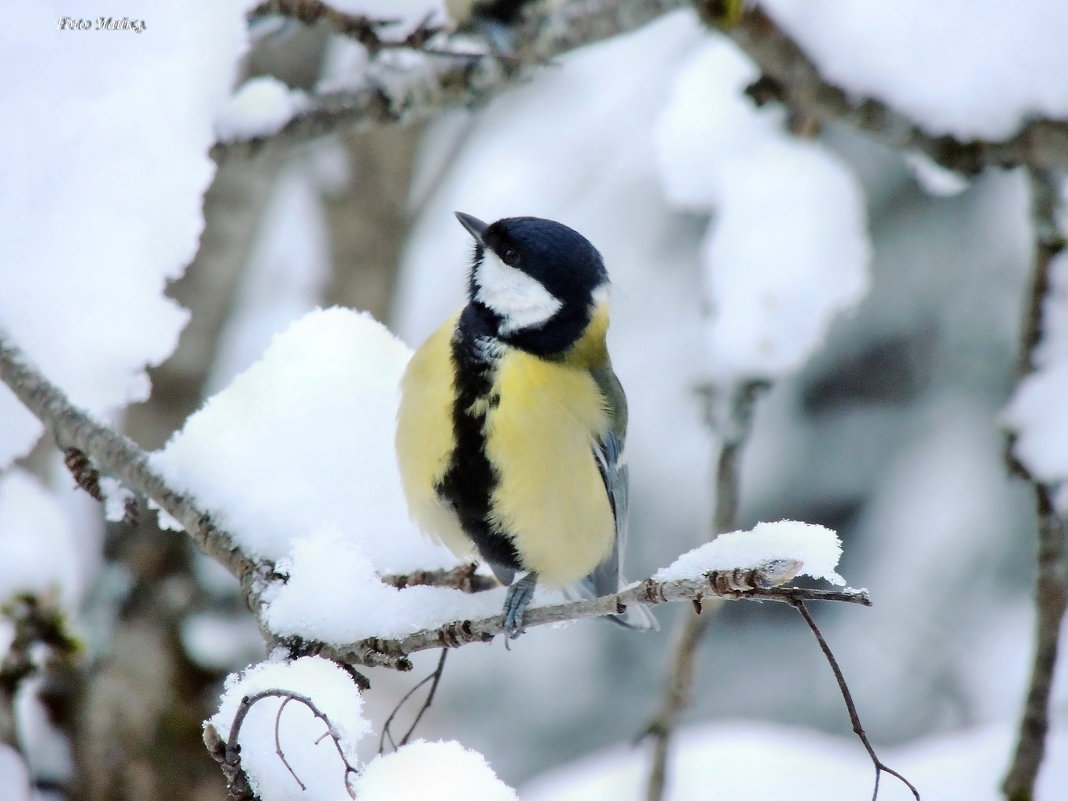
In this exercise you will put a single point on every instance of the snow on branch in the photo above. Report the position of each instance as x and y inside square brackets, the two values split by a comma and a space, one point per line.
[72, 427]
[289, 561]
[792, 78]
[420, 83]
[394, 653]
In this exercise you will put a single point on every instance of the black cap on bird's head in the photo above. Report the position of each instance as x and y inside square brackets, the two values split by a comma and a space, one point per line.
[538, 279]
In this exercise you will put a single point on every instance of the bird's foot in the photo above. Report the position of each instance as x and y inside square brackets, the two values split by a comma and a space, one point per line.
[516, 601]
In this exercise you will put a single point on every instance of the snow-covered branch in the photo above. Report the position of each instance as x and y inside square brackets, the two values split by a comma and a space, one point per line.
[394, 653]
[1051, 582]
[792, 78]
[420, 85]
[72, 427]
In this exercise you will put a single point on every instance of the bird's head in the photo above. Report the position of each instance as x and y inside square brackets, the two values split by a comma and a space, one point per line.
[539, 280]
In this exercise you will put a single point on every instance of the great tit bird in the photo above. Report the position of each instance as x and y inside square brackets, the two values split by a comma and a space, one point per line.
[511, 423]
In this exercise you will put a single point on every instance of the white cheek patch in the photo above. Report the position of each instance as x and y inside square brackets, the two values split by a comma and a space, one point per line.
[520, 300]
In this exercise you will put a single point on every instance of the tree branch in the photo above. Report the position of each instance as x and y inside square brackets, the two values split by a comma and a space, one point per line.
[1051, 582]
[851, 708]
[72, 427]
[731, 415]
[394, 653]
[402, 92]
[794, 79]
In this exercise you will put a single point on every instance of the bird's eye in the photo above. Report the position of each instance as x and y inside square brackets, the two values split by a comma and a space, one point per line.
[509, 256]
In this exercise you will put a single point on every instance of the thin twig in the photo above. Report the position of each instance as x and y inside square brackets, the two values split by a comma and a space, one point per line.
[387, 726]
[731, 416]
[436, 680]
[278, 742]
[464, 578]
[854, 718]
[1051, 581]
[232, 763]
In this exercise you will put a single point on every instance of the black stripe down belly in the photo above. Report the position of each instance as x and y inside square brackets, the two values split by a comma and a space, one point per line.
[470, 479]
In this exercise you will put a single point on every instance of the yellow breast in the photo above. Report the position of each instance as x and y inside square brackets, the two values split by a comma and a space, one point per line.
[550, 497]
[425, 441]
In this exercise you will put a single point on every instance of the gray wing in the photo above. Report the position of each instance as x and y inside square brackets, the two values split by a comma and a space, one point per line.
[607, 577]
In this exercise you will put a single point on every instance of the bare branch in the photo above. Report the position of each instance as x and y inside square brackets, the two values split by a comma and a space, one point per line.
[237, 781]
[792, 78]
[394, 653]
[1051, 582]
[854, 718]
[72, 427]
[463, 578]
[731, 415]
[435, 680]
[423, 84]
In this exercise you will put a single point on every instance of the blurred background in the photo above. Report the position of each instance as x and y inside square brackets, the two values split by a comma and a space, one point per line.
[889, 434]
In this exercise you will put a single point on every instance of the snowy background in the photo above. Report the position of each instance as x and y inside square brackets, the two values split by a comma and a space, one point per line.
[880, 298]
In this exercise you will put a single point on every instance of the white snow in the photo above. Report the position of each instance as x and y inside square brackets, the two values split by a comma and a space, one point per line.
[787, 250]
[105, 163]
[333, 594]
[816, 547]
[14, 776]
[1036, 411]
[934, 178]
[960, 67]
[431, 771]
[743, 759]
[313, 758]
[40, 555]
[259, 108]
[303, 440]
[295, 459]
[115, 498]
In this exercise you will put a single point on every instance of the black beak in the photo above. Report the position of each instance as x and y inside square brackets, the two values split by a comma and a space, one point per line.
[474, 226]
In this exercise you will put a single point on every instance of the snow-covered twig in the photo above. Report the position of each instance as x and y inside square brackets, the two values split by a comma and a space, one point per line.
[357, 26]
[401, 93]
[792, 78]
[394, 653]
[228, 753]
[1051, 582]
[72, 427]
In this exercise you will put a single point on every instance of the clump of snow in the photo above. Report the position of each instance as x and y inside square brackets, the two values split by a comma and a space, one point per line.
[259, 108]
[333, 594]
[817, 548]
[109, 209]
[116, 497]
[431, 771]
[933, 61]
[1036, 411]
[39, 552]
[302, 441]
[313, 758]
[788, 248]
[934, 178]
[14, 776]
